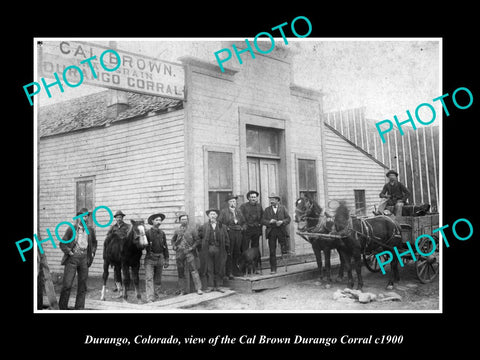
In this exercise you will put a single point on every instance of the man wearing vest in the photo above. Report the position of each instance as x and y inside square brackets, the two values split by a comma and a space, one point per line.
[276, 219]
[252, 212]
[185, 241]
[156, 258]
[214, 249]
[233, 219]
[77, 258]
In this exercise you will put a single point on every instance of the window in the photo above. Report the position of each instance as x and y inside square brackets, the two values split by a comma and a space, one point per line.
[220, 178]
[307, 178]
[262, 141]
[360, 204]
[84, 194]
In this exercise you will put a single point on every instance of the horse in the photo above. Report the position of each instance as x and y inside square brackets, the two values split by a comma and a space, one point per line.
[350, 246]
[308, 216]
[124, 255]
[377, 234]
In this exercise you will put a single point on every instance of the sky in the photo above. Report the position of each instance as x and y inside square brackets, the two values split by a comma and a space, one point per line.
[386, 76]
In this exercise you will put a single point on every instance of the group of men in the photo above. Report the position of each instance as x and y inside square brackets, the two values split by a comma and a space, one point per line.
[207, 253]
[212, 251]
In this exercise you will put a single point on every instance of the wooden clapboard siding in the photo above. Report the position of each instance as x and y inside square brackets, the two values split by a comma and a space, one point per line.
[137, 166]
[350, 169]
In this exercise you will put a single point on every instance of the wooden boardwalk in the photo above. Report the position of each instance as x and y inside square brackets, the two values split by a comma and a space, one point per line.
[173, 303]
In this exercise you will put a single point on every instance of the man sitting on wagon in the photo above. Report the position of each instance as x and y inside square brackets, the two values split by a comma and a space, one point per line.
[395, 194]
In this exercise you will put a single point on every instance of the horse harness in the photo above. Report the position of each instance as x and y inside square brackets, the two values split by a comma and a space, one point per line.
[369, 235]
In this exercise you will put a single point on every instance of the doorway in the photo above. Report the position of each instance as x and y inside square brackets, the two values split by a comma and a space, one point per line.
[263, 178]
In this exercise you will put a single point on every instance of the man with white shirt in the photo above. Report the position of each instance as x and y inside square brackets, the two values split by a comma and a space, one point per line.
[276, 219]
[77, 258]
[215, 246]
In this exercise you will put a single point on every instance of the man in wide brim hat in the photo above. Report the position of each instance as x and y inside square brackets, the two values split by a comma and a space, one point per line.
[252, 212]
[119, 213]
[181, 214]
[394, 193]
[83, 211]
[157, 256]
[275, 196]
[79, 248]
[210, 210]
[154, 216]
[391, 172]
[230, 197]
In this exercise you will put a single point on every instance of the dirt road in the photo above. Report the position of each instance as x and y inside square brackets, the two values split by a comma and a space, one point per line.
[312, 296]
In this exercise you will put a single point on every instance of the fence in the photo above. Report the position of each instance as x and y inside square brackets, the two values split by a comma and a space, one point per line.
[414, 155]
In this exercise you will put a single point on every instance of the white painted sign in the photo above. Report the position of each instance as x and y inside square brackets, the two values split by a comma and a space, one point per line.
[136, 73]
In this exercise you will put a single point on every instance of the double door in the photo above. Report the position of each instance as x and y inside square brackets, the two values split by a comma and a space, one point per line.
[263, 178]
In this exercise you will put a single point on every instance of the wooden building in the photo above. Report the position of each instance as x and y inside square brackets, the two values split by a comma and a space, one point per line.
[247, 128]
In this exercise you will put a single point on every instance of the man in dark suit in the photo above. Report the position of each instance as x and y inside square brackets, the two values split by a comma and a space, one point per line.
[276, 219]
[233, 219]
[77, 258]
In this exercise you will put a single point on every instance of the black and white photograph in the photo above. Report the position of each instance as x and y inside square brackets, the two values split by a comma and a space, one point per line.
[236, 183]
[239, 175]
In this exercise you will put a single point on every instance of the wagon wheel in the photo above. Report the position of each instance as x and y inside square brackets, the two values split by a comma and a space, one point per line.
[427, 266]
[370, 260]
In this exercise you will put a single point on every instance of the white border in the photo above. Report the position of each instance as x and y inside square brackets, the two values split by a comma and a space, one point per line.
[183, 311]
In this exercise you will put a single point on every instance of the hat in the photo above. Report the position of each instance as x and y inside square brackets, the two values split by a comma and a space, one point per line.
[230, 197]
[210, 210]
[119, 212]
[252, 192]
[154, 216]
[180, 214]
[273, 195]
[391, 172]
[82, 211]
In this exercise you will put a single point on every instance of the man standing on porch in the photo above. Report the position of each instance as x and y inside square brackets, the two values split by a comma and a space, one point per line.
[252, 212]
[276, 219]
[233, 219]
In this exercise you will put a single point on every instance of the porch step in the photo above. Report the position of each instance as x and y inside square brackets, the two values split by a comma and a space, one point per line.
[256, 282]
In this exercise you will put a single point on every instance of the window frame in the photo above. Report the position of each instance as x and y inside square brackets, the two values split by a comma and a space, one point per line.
[298, 158]
[77, 180]
[363, 209]
[223, 149]
[276, 132]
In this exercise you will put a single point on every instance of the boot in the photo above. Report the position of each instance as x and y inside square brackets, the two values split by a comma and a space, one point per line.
[197, 282]
[181, 286]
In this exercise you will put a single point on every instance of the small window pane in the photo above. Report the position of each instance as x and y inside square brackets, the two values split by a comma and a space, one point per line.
[268, 142]
[220, 174]
[262, 141]
[84, 195]
[360, 203]
[252, 141]
[311, 175]
[307, 175]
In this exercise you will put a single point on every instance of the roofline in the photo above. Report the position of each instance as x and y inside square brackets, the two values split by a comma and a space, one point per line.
[336, 132]
[110, 123]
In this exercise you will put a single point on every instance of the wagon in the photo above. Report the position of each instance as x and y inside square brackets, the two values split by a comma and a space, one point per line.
[427, 267]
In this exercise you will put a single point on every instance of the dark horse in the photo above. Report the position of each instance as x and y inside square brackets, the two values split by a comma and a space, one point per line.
[308, 215]
[377, 234]
[124, 254]
[349, 246]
